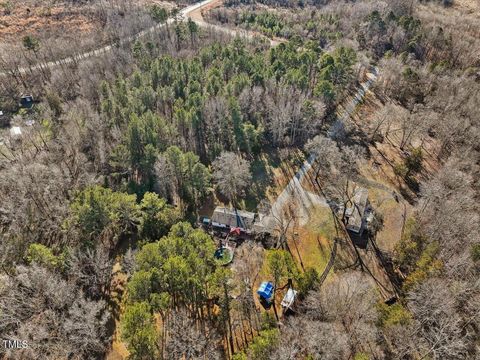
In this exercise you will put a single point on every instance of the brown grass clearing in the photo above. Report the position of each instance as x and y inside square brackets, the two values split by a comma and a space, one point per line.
[470, 6]
[59, 19]
[118, 349]
[30, 18]
[314, 240]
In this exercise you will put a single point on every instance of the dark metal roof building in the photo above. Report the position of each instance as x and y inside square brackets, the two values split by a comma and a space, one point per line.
[225, 217]
[355, 214]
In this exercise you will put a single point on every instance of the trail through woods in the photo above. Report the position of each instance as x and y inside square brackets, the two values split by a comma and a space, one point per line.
[294, 193]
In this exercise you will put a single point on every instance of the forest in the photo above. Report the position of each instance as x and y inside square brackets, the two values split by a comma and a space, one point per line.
[156, 176]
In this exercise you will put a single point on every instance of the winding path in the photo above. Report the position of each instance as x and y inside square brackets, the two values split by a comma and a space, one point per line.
[196, 16]
[294, 191]
[182, 14]
[294, 188]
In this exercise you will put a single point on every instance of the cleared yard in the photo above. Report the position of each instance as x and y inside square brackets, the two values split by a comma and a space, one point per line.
[314, 240]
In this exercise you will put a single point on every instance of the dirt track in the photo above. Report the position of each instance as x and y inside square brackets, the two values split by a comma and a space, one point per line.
[184, 13]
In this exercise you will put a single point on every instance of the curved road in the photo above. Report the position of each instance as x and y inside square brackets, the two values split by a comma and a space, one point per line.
[294, 188]
[294, 191]
[192, 12]
[184, 13]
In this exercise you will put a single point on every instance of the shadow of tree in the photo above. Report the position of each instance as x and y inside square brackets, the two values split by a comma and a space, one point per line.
[262, 178]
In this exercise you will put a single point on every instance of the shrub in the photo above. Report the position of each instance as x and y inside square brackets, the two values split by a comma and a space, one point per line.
[392, 315]
[43, 255]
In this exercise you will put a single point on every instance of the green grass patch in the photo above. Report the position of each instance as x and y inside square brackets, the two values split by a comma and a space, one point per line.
[323, 224]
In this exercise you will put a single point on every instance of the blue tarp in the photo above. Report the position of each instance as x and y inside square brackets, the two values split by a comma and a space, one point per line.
[265, 290]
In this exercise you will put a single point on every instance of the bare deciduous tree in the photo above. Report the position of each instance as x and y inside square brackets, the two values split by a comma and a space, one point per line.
[319, 339]
[51, 315]
[188, 339]
[232, 175]
[92, 270]
[446, 315]
[336, 321]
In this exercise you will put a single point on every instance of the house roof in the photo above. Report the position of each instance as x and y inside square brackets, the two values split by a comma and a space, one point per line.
[233, 217]
[356, 211]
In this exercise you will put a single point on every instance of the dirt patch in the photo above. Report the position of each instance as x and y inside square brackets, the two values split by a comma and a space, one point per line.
[197, 15]
[18, 19]
[471, 6]
[118, 350]
[62, 19]
[394, 215]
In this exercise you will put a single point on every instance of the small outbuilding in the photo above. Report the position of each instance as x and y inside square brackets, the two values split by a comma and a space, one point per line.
[289, 299]
[26, 101]
[3, 119]
[265, 291]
